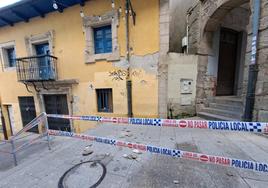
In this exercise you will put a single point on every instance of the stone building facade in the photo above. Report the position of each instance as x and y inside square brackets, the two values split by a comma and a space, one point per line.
[220, 33]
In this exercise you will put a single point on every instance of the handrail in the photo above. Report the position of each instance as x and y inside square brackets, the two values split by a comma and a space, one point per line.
[36, 68]
[35, 122]
[30, 125]
[36, 56]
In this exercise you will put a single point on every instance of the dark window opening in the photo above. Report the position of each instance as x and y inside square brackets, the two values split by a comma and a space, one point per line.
[57, 104]
[11, 57]
[103, 39]
[27, 110]
[105, 100]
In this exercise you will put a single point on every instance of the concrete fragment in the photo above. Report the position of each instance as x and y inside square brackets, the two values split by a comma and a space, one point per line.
[136, 151]
[128, 135]
[130, 156]
[87, 151]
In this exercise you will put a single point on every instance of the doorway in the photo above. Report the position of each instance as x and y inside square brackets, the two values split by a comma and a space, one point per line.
[28, 112]
[227, 62]
[8, 118]
[57, 104]
[42, 50]
[3, 125]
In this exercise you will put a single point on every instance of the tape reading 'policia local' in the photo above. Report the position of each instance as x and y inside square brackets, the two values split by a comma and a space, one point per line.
[257, 127]
[210, 159]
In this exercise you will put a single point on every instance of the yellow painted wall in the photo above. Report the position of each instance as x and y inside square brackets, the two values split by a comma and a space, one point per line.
[69, 48]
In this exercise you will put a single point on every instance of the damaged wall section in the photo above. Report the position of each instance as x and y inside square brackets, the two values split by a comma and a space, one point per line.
[143, 73]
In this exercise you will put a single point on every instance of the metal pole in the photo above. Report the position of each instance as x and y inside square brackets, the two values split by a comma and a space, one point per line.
[14, 152]
[253, 67]
[127, 30]
[187, 32]
[129, 98]
[128, 79]
[48, 137]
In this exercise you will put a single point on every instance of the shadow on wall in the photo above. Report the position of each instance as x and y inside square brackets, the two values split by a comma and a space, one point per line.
[179, 10]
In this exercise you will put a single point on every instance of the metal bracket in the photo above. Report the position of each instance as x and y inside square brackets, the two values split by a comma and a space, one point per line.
[44, 86]
[27, 87]
[35, 88]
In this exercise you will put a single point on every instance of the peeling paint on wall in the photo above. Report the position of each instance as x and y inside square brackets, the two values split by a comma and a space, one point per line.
[76, 104]
[148, 63]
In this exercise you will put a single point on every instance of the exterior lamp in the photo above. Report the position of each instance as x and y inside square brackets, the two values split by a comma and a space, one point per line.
[55, 5]
[82, 14]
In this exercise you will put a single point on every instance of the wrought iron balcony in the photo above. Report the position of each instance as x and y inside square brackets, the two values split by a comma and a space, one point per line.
[37, 68]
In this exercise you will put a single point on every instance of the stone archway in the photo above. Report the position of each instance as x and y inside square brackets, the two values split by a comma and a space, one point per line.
[212, 15]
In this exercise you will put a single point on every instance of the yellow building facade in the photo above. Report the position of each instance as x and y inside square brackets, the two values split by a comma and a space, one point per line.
[83, 79]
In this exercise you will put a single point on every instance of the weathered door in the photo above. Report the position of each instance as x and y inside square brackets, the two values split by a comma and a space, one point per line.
[28, 112]
[227, 62]
[57, 104]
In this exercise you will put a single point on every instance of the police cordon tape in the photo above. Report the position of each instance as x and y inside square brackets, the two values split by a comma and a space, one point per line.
[210, 159]
[256, 127]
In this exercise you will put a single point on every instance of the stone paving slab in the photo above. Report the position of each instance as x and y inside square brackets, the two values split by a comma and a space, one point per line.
[39, 167]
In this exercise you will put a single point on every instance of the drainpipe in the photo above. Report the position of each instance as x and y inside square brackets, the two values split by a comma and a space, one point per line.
[187, 30]
[253, 67]
[128, 79]
[127, 30]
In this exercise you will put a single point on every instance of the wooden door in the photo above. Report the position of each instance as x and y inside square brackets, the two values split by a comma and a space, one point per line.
[227, 62]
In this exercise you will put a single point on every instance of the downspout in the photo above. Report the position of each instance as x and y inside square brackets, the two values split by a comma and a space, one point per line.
[253, 67]
[128, 79]
[187, 31]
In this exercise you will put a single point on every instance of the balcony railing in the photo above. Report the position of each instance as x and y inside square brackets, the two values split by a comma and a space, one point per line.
[37, 68]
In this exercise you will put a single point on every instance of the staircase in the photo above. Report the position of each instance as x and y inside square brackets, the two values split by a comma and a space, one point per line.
[228, 108]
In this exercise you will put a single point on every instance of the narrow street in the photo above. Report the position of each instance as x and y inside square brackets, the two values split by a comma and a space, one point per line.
[39, 167]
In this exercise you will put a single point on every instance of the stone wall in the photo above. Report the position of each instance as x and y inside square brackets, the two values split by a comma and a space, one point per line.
[206, 17]
[261, 100]
[164, 48]
[194, 28]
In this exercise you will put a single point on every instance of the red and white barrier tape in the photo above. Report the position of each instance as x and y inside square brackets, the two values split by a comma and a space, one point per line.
[256, 127]
[204, 158]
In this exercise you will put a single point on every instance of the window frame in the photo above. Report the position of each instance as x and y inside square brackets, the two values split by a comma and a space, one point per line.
[91, 22]
[33, 40]
[4, 55]
[103, 29]
[108, 100]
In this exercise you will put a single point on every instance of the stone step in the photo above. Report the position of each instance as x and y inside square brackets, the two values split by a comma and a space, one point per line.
[209, 116]
[224, 113]
[234, 101]
[233, 108]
